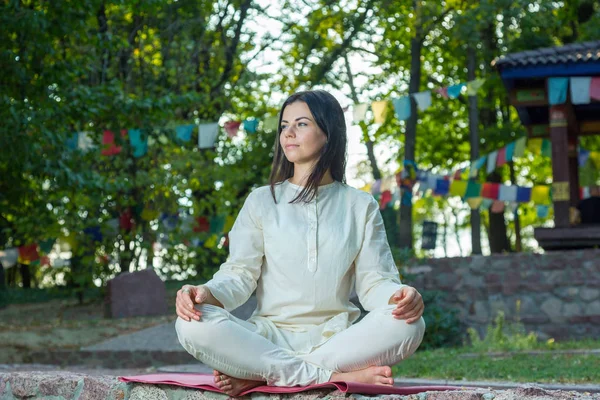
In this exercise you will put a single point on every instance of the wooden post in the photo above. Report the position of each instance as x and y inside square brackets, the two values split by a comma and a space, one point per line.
[560, 165]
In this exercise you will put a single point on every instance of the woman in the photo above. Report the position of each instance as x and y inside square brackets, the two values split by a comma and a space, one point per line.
[303, 243]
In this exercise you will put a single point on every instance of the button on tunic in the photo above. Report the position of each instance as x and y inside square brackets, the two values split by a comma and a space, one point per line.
[304, 260]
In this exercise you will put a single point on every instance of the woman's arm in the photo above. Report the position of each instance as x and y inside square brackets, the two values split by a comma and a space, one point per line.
[377, 276]
[237, 278]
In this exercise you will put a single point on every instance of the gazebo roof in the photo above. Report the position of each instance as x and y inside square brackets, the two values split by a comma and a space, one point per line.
[531, 68]
[569, 60]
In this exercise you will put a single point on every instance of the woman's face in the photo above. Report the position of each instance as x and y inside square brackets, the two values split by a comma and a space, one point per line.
[301, 139]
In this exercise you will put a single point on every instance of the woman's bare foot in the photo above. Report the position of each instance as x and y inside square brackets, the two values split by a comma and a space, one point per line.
[372, 375]
[234, 386]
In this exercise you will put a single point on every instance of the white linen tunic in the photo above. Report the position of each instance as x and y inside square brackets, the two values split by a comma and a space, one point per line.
[304, 260]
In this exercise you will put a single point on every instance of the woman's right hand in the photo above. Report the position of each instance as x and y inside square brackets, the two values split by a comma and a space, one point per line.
[187, 296]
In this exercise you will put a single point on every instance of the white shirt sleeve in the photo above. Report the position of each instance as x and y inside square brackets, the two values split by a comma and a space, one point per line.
[377, 276]
[237, 278]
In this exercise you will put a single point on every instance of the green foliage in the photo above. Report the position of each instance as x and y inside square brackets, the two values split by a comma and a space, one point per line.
[503, 336]
[444, 328]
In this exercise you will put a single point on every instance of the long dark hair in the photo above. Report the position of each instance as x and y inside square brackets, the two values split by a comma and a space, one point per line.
[329, 116]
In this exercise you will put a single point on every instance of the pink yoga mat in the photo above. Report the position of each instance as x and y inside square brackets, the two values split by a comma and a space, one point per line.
[206, 382]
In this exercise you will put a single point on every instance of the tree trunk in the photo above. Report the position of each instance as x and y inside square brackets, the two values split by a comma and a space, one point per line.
[405, 237]
[474, 139]
[2, 277]
[498, 238]
[25, 275]
[518, 244]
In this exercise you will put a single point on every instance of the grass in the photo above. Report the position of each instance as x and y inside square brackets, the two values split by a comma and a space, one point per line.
[504, 354]
[547, 368]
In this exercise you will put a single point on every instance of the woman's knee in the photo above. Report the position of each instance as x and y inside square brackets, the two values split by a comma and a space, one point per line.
[401, 333]
[203, 333]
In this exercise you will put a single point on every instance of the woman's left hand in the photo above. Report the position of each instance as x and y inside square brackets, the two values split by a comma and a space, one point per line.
[409, 304]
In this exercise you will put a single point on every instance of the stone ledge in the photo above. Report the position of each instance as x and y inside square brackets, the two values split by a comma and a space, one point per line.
[68, 385]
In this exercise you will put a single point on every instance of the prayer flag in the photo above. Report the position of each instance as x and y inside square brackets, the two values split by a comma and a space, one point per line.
[28, 253]
[535, 145]
[184, 132]
[523, 194]
[474, 202]
[250, 125]
[149, 214]
[510, 151]
[497, 207]
[595, 157]
[376, 188]
[520, 147]
[126, 221]
[108, 143]
[442, 187]
[557, 90]
[580, 89]
[473, 190]
[582, 157]
[85, 141]
[139, 142]
[217, 223]
[455, 90]
[379, 109]
[490, 190]
[169, 221]
[491, 161]
[542, 211]
[458, 188]
[207, 134]
[546, 148]
[229, 221]
[202, 225]
[94, 233]
[402, 107]
[480, 162]
[585, 193]
[112, 226]
[72, 141]
[232, 128]
[474, 86]
[486, 203]
[501, 158]
[9, 257]
[540, 194]
[432, 181]
[507, 193]
[595, 88]
[359, 111]
[423, 100]
[386, 198]
[46, 245]
[443, 92]
[211, 242]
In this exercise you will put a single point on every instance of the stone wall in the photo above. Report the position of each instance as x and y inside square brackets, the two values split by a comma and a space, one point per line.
[556, 294]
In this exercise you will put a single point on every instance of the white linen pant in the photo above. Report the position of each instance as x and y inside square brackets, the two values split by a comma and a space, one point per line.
[233, 347]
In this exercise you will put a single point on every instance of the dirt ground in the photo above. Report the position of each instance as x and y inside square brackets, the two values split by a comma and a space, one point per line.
[61, 324]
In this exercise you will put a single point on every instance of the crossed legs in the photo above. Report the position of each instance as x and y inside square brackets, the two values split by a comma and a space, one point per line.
[245, 359]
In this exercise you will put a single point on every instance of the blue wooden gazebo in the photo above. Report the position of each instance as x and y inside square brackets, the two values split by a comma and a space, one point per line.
[527, 76]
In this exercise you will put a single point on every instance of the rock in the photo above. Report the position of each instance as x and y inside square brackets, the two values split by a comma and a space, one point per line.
[593, 308]
[588, 294]
[552, 308]
[133, 294]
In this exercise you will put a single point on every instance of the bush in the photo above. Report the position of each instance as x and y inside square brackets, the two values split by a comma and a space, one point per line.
[444, 328]
[503, 336]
